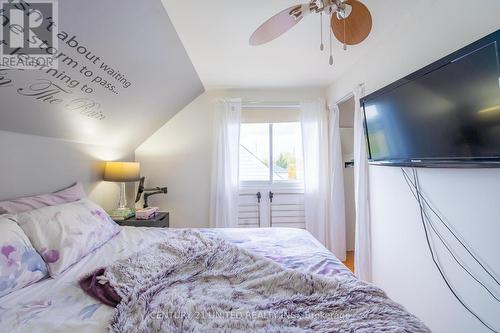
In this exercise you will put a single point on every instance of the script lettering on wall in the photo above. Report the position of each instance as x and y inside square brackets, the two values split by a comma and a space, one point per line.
[91, 71]
[63, 70]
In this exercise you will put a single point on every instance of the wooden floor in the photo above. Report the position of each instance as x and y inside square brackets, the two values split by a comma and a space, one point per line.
[349, 261]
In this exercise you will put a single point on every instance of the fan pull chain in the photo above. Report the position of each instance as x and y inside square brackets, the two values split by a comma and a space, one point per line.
[331, 47]
[322, 46]
[345, 41]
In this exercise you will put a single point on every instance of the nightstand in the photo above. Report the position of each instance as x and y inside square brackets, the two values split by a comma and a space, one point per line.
[161, 220]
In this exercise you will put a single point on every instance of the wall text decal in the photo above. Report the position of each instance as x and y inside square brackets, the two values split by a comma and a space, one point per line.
[74, 75]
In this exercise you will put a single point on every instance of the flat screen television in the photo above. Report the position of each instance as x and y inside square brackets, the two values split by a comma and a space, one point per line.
[444, 115]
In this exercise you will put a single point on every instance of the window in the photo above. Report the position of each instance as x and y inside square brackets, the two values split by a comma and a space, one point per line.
[271, 153]
[271, 168]
[287, 152]
[254, 153]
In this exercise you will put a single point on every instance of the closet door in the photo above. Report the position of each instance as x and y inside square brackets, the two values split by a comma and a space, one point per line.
[253, 211]
[287, 209]
[280, 208]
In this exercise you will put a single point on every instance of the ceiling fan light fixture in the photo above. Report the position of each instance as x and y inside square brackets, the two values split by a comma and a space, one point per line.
[350, 22]
[356, 27]
[344, 13]
[300, 11]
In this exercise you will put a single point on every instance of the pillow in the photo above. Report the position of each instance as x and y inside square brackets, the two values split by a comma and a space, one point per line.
[66, 233]
[20, 264]
[20, 205]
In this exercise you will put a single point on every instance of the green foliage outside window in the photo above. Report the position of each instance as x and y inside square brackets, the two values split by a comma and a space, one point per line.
[285, 159]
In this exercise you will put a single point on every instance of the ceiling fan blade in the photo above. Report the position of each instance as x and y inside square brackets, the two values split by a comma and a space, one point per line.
[358, 24]
[279, 24]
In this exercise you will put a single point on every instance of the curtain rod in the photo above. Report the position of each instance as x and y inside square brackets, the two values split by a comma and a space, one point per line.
[351, 94]
[345, 98]
[278, 105]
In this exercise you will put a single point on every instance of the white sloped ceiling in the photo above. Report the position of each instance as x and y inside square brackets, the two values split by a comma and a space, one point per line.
[139, 54]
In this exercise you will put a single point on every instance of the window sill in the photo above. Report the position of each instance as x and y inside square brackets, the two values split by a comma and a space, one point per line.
[289, 187]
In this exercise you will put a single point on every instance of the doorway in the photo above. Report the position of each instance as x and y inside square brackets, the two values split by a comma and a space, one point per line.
[347, 140]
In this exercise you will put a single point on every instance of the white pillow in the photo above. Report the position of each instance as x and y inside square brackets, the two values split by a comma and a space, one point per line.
[20, 264]
[20, 205]
[66, 233]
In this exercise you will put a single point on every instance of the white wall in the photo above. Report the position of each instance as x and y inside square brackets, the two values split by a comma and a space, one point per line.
[418, 39]
[179, 155]
[33, 165]
[402, 265]
[467, 198]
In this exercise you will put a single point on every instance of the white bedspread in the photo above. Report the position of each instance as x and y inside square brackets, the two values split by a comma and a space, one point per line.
[59, 305]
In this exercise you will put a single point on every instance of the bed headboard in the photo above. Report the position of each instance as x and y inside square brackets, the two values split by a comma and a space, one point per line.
[33, 165]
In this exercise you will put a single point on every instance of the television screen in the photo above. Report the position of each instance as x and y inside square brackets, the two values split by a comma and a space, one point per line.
[451, 113]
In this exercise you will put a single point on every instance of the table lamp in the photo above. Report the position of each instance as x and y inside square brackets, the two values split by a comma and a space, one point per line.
[122, 172]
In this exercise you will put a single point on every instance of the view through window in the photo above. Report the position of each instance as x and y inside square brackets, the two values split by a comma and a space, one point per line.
[271, 153]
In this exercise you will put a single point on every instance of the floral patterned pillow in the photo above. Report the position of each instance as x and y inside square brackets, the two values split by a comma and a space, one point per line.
[66, 233]
[20, 264]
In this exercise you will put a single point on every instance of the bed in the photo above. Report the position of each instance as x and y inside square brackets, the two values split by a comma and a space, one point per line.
[60, 305]
[65, 266]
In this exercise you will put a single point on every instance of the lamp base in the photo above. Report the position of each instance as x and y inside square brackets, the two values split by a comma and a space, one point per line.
[122, 204]
[122, 212]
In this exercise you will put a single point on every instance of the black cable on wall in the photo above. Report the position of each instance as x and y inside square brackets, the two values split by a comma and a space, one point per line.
[423, 203]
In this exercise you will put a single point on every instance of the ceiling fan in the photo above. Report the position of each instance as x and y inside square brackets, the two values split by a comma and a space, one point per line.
[350, 22]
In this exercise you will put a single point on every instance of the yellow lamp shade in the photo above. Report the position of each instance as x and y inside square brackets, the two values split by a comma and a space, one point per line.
[122, 172]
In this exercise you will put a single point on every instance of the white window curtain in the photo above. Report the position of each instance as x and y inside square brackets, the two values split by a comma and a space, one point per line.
[362, 254]
[316, 180]
[336, 209]
[225, 181]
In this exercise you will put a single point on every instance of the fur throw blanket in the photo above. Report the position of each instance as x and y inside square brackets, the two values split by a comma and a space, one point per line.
[196, 283]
